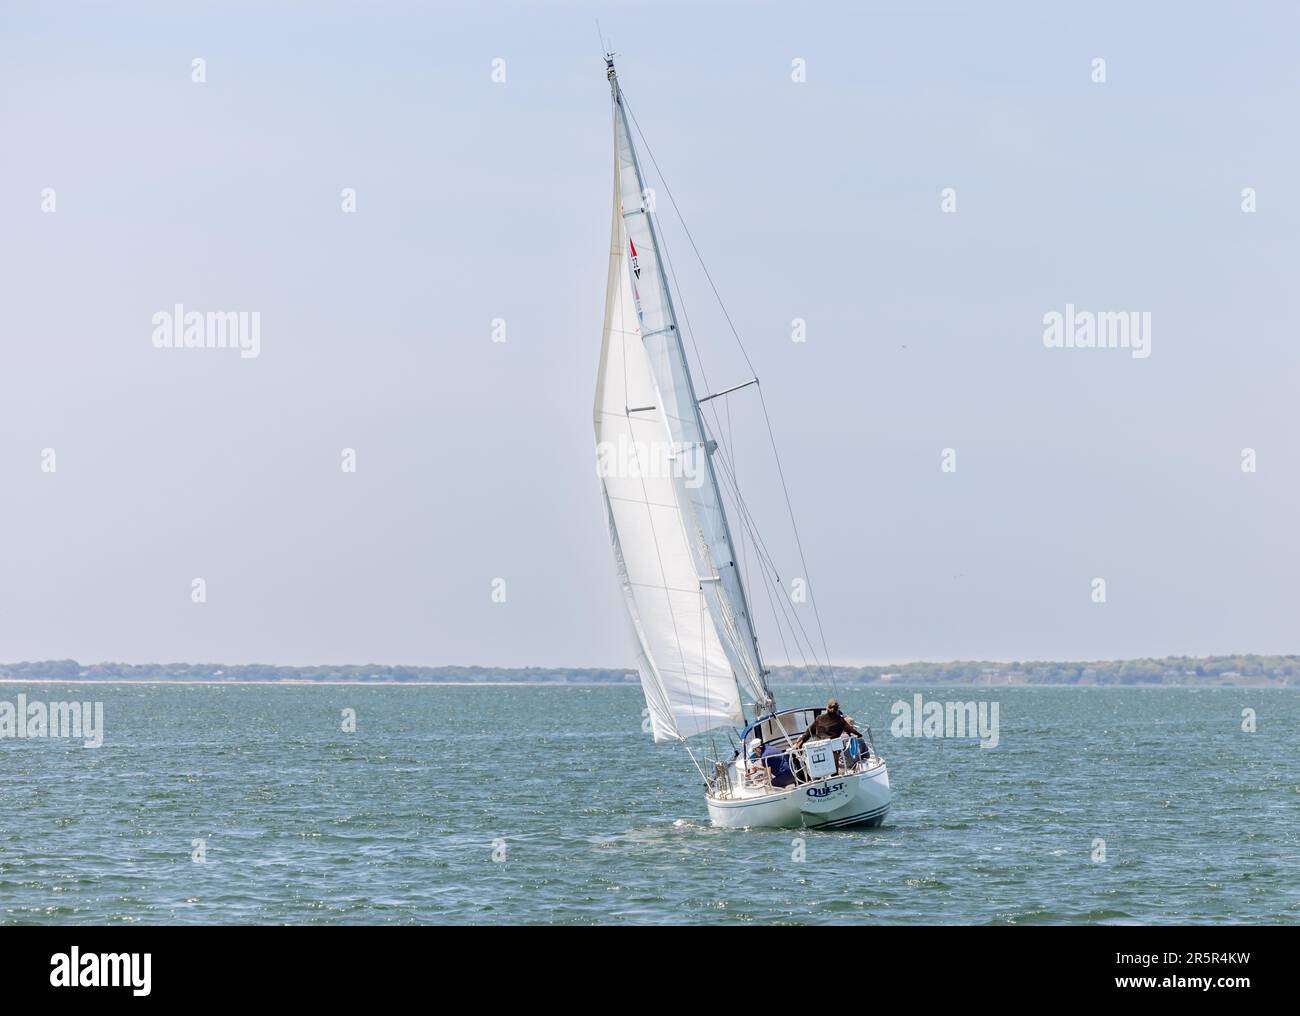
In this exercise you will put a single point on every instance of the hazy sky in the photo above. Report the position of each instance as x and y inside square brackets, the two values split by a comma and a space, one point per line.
[478, 200]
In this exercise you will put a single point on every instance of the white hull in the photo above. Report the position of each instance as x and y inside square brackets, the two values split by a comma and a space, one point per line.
[859, 798]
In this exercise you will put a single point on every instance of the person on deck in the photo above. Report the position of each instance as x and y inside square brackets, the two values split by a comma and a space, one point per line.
[756, 771]
[828, 724]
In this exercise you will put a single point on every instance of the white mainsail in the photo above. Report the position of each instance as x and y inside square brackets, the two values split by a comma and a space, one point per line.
[696, 645]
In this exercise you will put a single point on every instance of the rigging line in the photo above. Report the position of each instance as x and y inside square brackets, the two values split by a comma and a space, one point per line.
[744, 544]
[704, 643]
[803, 561]
[776, 623]
[770, 572]
[766, 569]
[796, 628]
[772, 580]
[746, 515]
[812, 597]
[768, 565]
[792, 618]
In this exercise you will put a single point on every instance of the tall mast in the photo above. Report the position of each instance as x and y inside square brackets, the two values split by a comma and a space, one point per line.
[714, 563]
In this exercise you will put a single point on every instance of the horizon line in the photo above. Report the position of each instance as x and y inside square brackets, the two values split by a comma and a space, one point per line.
[893, 662]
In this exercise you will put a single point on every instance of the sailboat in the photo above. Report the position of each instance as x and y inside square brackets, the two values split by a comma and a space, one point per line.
[697, 651]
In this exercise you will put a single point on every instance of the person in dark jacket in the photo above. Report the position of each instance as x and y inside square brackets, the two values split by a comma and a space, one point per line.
[830, 723]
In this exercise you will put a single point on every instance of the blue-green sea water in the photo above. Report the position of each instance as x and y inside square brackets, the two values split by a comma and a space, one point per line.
[547, 804]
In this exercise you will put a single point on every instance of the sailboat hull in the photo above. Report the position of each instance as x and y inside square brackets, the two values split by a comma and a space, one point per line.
[836, 802]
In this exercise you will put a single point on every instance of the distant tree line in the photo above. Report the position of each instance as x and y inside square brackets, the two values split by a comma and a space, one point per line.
[1168, 670]
[71, 670]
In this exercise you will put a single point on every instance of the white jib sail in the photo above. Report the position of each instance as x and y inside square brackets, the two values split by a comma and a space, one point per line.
[685, 673]
[701, 498]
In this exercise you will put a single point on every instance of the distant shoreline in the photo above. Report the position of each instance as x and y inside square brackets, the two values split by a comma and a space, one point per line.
[299, 682]
[847, 686]
[1232, 671]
